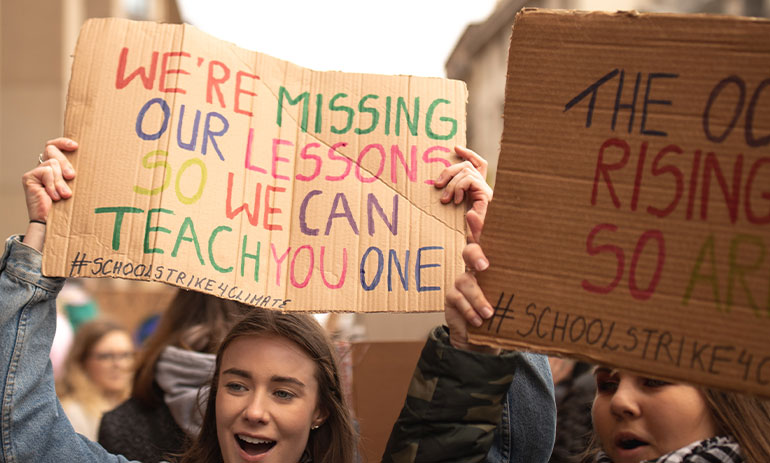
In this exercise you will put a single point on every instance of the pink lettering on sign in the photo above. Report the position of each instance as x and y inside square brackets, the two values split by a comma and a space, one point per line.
[220, 86]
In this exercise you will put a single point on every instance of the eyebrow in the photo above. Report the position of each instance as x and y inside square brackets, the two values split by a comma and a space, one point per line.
[287, 379]
[237, 372]
[277, 379]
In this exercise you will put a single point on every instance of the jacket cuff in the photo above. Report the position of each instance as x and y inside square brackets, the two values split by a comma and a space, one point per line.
[25, 263]
[474, 372]
[474, 369]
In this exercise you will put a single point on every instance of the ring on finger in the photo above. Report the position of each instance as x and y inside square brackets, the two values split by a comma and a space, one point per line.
[40, 159]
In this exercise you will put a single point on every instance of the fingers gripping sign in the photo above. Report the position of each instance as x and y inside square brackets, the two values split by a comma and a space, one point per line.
[466, 304]
[54, 149]
[45, 184]
[467, 181]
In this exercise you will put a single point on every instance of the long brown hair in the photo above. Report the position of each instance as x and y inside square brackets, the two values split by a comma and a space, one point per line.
[193, 321]
[744, 417]
[335, 440]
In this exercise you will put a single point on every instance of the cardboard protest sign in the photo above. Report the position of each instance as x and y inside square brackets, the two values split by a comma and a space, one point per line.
[631, 219]
[234, 173]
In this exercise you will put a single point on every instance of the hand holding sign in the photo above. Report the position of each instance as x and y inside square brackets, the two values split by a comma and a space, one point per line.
[466, 303]
[46, 184]
[468, 178]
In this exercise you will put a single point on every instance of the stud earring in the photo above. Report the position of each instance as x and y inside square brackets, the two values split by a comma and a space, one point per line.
[315, 427]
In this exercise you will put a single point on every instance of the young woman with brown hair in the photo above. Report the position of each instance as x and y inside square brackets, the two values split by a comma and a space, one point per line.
[637, 418]
[275, 389]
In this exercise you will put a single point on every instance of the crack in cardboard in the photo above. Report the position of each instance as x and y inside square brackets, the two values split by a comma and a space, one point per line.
[161, 194]
[326, 145]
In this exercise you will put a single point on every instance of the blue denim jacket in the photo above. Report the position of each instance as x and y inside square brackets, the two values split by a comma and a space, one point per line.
[33, 426]
[527, 428]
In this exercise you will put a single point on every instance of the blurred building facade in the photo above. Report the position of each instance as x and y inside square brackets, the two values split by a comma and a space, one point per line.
[480, 57]
[37, 40]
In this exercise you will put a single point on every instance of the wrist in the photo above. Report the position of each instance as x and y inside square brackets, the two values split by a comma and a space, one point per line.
[463, 344]
[35, 235]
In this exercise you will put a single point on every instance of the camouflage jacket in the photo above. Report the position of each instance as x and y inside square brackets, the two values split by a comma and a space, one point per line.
[455, 404]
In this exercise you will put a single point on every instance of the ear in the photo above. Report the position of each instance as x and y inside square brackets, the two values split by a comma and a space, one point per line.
[319, 417]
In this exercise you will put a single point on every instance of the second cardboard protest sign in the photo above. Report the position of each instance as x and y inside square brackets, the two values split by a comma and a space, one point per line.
[635, 176]
[237, 174]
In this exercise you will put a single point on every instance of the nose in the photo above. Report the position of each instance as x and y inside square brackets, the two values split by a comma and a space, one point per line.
[624, 403]
[126, 360]
[256, 409]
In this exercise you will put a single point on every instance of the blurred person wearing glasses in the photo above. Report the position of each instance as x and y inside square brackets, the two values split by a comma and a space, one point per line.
[97, 375]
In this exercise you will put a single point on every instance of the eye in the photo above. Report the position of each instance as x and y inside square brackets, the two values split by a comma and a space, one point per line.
[606, 385]
[235, 387]
[284, 395]
[606, 381]
[655, 383]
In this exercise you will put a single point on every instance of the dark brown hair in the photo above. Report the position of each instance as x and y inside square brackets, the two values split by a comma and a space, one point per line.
[193, 321]
[744, 417]
[335, 440]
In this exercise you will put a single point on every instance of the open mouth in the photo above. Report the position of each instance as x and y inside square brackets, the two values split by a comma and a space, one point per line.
[630, 444]
[254, 446]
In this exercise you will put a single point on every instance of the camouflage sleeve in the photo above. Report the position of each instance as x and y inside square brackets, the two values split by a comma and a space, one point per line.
[453, 405]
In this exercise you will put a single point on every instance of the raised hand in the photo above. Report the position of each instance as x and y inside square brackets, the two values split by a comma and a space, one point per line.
[45, 184]
[467, 179]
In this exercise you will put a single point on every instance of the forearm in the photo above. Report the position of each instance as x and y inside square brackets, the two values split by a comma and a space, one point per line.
[27, 324]
[33, 426]
[453, 406]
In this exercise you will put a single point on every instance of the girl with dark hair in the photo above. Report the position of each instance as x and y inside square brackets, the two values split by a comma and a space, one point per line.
[644, 419]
